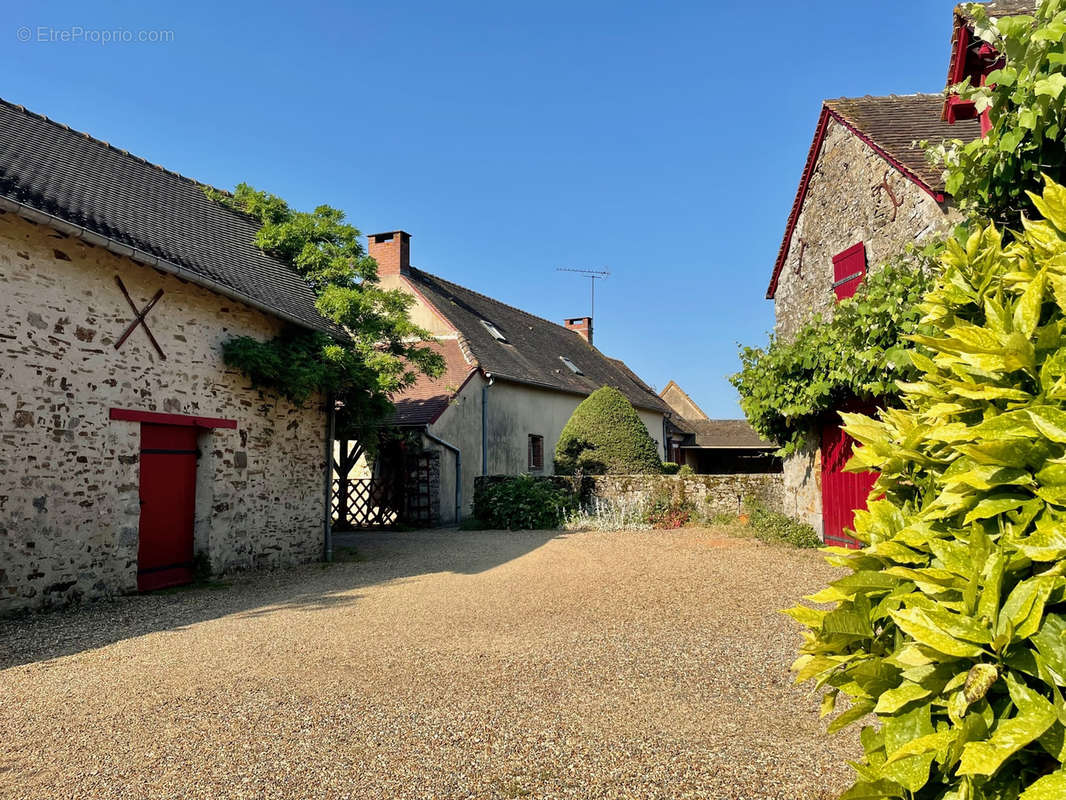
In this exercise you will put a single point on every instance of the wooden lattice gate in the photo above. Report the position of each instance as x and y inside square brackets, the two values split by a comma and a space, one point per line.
[365, 503]
[404, 489]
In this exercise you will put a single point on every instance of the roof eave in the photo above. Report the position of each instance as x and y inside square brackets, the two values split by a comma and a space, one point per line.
[118, 248]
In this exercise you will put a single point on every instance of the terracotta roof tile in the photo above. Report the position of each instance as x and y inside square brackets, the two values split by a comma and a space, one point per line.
[898, 122]
[427, 399]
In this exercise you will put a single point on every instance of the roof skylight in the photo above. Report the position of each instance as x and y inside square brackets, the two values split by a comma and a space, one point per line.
[571, 365]
[492, 329]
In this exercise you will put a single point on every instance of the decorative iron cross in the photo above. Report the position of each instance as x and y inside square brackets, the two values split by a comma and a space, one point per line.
[138, 318]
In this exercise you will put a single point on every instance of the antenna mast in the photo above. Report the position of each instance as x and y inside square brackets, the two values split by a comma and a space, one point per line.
[593, 275]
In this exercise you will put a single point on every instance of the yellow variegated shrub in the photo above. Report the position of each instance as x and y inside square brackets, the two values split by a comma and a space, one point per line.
[951, 625]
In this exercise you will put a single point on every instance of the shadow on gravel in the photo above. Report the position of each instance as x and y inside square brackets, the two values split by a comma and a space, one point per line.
[367, 559]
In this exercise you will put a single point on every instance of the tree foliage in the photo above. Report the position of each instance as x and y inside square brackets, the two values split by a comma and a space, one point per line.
[383, 352]
[787, 387]
[951, 626]
[1026, 104]
[605, 436]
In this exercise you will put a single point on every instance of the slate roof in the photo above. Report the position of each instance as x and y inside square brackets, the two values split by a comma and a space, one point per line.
[428, 398]
[734, 434]
[533, 347]
[88, 183]
[897, 123]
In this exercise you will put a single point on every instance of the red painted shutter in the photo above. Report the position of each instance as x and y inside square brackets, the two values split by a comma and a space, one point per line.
[848, 270]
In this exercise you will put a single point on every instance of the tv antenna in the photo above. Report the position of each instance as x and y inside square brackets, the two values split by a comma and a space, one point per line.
[593, 275]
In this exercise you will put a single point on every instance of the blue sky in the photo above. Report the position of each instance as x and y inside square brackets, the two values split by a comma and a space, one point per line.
[662, 141]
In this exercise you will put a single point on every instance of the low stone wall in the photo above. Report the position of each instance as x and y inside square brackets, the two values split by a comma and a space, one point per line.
[718, 494]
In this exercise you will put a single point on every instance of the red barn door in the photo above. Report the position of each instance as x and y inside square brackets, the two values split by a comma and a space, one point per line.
[168, 505]
[842, 492]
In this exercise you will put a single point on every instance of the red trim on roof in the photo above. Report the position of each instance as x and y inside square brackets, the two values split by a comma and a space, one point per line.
[808, 171]
[134, 415]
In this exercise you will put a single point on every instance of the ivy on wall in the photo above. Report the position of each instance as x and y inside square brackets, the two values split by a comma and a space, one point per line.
[788, 387]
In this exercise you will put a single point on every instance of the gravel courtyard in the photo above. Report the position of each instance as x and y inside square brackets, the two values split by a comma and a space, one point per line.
[440, 665]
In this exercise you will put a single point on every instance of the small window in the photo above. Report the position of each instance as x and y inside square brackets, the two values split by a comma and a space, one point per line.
[536, 453]
[849, 268]
[571, 365]
[492, 329]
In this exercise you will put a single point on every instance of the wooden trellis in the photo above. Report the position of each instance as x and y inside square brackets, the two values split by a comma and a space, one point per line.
[365, 503]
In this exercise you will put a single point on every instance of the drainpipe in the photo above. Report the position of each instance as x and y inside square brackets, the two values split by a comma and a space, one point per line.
[327, 522]
[484, 424]
[458, 472]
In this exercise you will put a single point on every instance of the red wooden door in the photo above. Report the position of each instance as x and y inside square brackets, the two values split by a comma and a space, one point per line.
[842, 492]
[168, 505]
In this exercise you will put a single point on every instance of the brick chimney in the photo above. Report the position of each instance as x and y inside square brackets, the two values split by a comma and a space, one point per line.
[392, 251]
[582, 326]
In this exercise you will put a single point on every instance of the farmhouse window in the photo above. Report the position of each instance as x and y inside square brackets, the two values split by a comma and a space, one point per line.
[536, 453]
[849, 268]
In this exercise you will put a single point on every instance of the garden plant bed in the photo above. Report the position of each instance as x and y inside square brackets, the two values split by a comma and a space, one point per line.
[441, 664]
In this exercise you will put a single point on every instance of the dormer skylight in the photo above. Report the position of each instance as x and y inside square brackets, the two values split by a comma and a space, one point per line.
[494, 331]
[571, 365]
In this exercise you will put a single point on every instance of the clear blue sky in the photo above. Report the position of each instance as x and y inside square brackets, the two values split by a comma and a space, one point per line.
[663, 141]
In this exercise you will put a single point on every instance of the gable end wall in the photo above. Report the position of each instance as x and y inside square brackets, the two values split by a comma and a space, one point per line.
[846, 203]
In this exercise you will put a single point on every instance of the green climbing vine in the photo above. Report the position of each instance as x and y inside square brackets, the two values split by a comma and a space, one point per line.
[789, 385]
[1025, 99]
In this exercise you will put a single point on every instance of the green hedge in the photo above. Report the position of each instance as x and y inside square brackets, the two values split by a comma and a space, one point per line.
[523, 503]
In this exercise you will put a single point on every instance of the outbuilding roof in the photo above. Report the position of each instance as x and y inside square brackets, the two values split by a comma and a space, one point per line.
[515, 345]
[144, 211]
[729, 434]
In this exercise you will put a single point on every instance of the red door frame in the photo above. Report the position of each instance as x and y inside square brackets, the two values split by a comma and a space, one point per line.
[168, 456]
[842, 492]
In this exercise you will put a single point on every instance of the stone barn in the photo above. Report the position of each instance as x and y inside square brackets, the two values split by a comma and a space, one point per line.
[866, 191]
[131, 455]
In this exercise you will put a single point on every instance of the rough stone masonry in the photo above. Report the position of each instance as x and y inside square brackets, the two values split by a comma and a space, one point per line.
[846, 203]
[69, 499]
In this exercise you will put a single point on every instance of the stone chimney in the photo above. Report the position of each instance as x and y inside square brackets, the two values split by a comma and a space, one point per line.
[582, 326]
[392, 251]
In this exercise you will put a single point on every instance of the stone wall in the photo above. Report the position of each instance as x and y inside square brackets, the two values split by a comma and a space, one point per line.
[716, 494]
[69, 494]
[846, 203]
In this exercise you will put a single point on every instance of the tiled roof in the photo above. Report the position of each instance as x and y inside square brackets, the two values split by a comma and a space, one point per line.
[898, 122]
[892, 126]
[427, 399]
[531, 353]
[90, 184]
[726, 433]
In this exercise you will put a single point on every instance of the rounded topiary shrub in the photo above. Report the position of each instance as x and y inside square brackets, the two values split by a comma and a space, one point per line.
[605, 436]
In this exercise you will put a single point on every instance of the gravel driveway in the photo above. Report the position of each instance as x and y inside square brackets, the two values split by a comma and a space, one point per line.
[442, 665]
